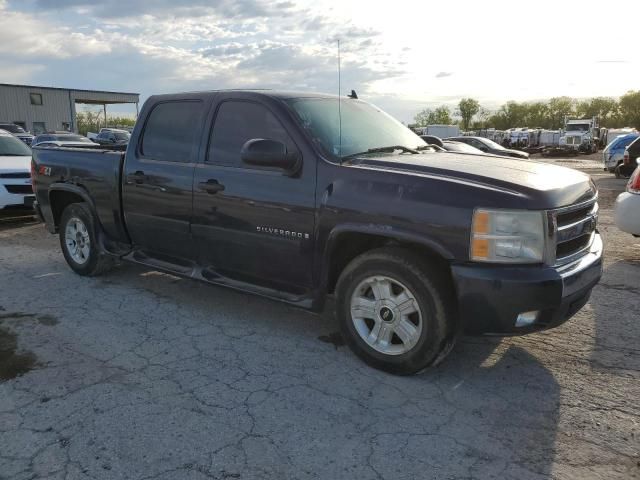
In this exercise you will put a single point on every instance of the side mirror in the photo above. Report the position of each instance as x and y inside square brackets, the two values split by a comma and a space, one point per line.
[269, 153]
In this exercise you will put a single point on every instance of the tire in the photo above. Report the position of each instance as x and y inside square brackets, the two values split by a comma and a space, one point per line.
[373, 325]
[79, 241]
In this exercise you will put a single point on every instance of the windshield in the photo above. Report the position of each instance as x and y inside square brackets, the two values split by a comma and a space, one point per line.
[461, 147]
[11, 146]
[363, 126]
[10, 127]
[577, 127]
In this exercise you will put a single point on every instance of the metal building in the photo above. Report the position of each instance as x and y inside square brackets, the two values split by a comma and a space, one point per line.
[41, 109]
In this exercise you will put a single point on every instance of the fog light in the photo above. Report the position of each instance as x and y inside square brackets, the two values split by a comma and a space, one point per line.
[527, 318]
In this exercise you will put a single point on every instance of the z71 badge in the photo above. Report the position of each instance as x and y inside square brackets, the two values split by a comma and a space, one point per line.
[280, 232]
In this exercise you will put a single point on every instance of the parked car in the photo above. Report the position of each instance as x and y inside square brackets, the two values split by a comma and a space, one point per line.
[627, 206]
[259, 191]
[15, 177]
[112, 137]
[61, 140]
[459, 147]
[17, 131]
[613, 154]
[489, 146]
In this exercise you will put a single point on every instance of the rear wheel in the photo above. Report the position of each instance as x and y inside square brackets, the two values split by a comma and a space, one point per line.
[396, 311]
[79, 241]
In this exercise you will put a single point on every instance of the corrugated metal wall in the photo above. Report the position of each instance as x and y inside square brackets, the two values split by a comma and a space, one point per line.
[58, 105]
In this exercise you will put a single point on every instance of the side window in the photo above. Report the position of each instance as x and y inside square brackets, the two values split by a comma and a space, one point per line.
[237, 122]
[170, 131]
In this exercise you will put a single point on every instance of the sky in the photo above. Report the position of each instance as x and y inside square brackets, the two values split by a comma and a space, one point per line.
[401, 55]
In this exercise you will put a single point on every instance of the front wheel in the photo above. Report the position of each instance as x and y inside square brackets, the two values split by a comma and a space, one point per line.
[396, 311]
[79, 241]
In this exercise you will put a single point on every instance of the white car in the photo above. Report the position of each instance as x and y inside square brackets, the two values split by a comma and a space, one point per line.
[627, 207]
[15, 173]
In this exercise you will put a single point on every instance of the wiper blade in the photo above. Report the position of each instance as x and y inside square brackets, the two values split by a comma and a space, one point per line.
[390, 148]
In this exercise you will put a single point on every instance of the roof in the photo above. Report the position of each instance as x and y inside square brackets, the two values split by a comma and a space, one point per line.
[67, 89]
[4, 133]
[281, 94]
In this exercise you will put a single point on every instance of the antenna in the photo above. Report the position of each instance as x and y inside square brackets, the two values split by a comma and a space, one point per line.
[339, 105]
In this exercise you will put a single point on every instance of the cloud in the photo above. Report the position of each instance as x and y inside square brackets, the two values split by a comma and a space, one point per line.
[173, 8]
[443, 74]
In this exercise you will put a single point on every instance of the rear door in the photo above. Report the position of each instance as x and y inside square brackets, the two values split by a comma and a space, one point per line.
[158, 177]
[256, 225]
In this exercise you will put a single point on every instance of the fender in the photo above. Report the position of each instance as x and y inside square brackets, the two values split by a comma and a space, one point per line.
[107, 244]
[380, 230]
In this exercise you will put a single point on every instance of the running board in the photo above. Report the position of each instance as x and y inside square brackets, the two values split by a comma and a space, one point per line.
[184, 268]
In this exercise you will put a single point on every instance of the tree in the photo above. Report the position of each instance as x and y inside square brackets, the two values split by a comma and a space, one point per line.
[605, 108]
[468, 107]
[439, 116]
[559, 108]
[630, 109]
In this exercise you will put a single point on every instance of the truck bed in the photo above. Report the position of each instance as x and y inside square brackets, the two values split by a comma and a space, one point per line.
[94, 173]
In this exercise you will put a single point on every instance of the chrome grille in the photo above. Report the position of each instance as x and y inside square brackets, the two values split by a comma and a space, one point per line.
[574, 230]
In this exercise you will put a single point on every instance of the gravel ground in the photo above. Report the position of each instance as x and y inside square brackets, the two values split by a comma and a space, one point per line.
[142, 375]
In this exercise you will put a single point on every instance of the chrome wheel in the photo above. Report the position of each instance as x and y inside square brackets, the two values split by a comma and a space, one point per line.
[386, 315]
[77, 240]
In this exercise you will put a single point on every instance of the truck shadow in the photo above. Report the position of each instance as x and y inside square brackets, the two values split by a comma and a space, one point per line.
[490, 410]
[617, 333]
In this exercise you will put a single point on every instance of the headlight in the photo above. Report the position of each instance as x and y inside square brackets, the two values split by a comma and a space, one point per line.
[507, 236]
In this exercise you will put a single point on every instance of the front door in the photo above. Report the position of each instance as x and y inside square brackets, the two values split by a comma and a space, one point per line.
[157, 189]
[253, 224]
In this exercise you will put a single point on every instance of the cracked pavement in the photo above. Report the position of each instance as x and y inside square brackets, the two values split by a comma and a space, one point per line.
[142, 375]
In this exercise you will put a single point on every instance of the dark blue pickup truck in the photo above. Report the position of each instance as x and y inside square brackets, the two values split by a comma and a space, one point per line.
[281, 195]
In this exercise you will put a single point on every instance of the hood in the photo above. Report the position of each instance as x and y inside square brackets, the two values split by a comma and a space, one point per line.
[10, 164]
[540, 185]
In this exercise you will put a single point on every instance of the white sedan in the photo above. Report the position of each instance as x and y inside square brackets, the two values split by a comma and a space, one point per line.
[627, 207]
[15, 173]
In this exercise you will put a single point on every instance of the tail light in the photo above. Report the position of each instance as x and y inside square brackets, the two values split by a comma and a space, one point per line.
[625, 158]
[634, 182]
[33, 176]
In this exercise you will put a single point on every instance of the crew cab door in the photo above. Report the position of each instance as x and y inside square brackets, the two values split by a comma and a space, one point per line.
[253, 224]
[157, 191]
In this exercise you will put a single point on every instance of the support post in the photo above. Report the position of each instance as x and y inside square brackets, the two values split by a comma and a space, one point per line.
[104, 106]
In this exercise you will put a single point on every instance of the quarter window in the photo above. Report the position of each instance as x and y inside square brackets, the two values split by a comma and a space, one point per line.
[170, 131]
[235, 124]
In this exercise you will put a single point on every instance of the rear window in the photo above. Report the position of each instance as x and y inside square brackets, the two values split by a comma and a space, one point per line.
[170, 131]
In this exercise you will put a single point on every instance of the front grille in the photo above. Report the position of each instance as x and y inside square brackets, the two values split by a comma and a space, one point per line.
[19, 189]
[15, 175]
[575, 228]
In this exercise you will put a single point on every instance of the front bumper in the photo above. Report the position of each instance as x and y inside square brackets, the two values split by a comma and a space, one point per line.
[490, 298]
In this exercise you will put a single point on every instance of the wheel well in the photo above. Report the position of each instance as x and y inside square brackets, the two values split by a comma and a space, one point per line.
[350, 245]
[61, 199]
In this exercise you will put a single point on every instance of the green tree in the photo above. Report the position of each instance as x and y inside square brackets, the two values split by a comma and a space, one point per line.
[630, 109]
[467, 108]
[605, 108]
[428, 116]
[559, 108]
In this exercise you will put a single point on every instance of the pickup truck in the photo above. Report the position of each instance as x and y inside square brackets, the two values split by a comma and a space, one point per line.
[302, 197]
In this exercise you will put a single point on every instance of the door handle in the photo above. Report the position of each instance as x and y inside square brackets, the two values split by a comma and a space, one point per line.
[137, 177]
[211, 186]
